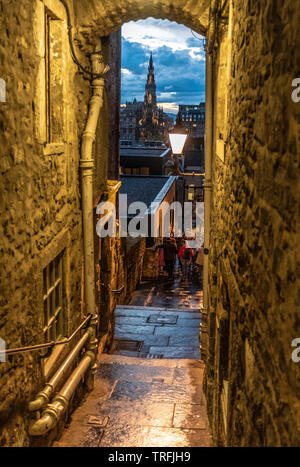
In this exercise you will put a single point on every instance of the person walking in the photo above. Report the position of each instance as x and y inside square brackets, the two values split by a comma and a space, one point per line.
[180, 244]
[169, 248]
[185, 254]
[161, 260]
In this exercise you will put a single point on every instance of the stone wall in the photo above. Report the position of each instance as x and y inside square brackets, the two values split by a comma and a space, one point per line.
[254, 255]
[131, 259]
[252, 384]
[150, 266]
[40, 196]
[94, 18]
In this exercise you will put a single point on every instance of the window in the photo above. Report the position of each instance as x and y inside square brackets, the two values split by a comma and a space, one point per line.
[53, 299]
[144, 171]
[191, 193]
[53, 78]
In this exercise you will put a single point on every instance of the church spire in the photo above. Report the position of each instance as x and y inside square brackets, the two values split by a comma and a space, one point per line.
[151, 67]
[150, 88]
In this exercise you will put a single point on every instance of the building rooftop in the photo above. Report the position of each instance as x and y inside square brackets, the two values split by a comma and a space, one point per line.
[144, 151]
[145, 189]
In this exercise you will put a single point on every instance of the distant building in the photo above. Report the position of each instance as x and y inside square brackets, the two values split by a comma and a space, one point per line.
[141, 160]
[193, 119]
[130, 117]
[145, 121]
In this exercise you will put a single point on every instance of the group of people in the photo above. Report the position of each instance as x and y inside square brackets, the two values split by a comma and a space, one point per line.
[189, 258]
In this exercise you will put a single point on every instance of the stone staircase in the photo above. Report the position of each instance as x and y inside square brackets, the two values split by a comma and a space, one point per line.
[148, 392]
[153, 332]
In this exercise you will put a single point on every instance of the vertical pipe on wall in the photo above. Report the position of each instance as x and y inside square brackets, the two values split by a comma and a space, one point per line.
[229, 61]
[87, 166]
[209, 111]
[207, 194]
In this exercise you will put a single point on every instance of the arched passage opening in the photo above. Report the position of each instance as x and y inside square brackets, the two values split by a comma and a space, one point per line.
[95, 20]
[253, 265]
[100, 18]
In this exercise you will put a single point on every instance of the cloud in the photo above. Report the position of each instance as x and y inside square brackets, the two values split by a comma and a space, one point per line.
[179, 77]
[169, 107]
[125, 71]
[179, 62]
[157, 33]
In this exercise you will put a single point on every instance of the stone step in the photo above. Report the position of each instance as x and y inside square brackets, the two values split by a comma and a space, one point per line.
[153, 309]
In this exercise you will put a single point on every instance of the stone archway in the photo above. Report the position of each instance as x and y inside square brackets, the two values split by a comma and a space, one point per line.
[101, 17]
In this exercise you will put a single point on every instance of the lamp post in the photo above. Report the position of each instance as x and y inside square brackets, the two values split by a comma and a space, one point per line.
[177, 138]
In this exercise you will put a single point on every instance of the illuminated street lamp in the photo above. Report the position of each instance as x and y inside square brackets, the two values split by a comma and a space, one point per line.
[177, 138]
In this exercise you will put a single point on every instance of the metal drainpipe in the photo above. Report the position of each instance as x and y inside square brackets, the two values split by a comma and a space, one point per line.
[44, 396]
[87, 166]
[54, 411]
[207, 196]
[209, 110]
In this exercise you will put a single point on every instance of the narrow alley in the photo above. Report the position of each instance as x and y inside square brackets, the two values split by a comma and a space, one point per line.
[137, 136]
[148, 391]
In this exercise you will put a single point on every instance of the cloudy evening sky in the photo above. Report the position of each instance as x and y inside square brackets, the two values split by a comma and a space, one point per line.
[179, 63]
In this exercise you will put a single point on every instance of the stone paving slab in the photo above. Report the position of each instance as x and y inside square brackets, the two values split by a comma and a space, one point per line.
[119, 371]
[189, 314]
[188, 322]
[184, 341]
[154, 403]
[132, 320]
[180, 335]
[131, 436]
[176, 331]
[137, 391]
[166, 363]
[162, 319]
[135, 313]
[114, 358]
[150, 339]
[142, 309]
[190, 416]
[176, 352]
[155, 414]
[127, 328]
[189, 376]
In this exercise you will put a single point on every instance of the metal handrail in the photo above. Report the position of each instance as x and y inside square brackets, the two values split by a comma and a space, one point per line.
[194, 174]
[120, 290]
[48, 345]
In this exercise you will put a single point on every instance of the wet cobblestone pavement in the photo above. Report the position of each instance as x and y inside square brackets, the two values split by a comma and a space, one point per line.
[148, 392]
[170, 293]
[144, 403]
[151, 332]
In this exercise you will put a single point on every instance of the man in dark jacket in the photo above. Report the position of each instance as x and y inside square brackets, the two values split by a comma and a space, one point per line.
[170, 251]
